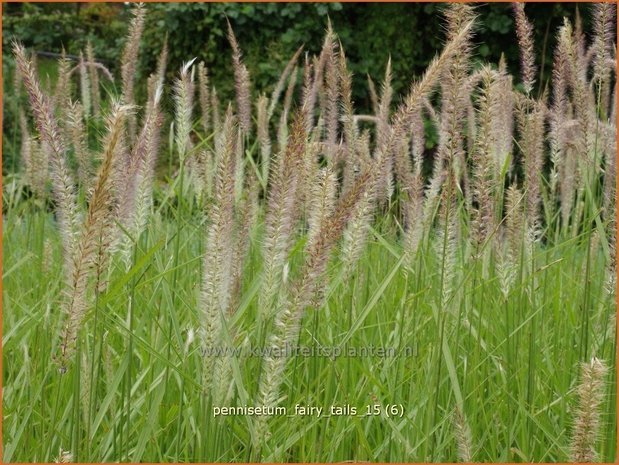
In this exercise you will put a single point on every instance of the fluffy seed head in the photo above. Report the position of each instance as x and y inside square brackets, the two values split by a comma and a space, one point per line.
[588, 412]
[524, 32]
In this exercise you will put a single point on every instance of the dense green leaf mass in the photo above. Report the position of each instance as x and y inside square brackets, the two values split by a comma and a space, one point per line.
[269, 33]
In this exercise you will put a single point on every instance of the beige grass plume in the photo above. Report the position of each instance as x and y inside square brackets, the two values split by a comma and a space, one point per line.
[317, 82]
[300, 294]
[136, 194]
[462, 432]
[204, 97]
[484, 166]
[183, 98]
[62, 183]
[34, 159]
[63, 89]
[95, 235]
[383, 130]
[85, 87]
[455, 102]
[263, 136]
[130, 60]
[524, 32]
[604, 26]
[588, 412]
[64, 456]
[217, 280]
[282, 132]
[242, 84]
[279, 87]
[323, 196]
[409, 110]
[531, 117]
[156, 80]
[332, 98]
[447, 240]
[281, 214]
[79, 140]
[94, 79]
[558, 117]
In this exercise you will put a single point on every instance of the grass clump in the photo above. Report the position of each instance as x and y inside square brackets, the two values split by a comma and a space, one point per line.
[460, 302]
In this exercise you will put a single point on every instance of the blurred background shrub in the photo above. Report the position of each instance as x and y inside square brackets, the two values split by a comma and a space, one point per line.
[269, 33]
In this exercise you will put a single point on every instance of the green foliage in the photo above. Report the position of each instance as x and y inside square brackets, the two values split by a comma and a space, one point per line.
[513, 360]
[269, 33]
[49, 28]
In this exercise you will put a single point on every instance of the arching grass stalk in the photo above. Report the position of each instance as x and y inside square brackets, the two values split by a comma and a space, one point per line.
[183, 97]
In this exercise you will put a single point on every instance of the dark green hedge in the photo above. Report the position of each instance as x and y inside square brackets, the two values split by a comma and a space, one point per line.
[270, 32]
